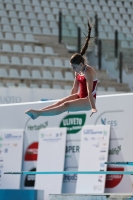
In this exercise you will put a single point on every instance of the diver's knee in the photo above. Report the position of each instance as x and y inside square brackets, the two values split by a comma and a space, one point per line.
[66, 106]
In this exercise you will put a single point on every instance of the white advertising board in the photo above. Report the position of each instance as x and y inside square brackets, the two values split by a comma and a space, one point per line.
[120, 150]
[9, 95]
[11, 150]
[51, 157]
[93, 150]
[113, 110]
[30, 152]
[18, 95]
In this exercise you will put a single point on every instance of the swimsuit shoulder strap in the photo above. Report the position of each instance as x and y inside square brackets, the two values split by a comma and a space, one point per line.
[85, 68]
[95, 79]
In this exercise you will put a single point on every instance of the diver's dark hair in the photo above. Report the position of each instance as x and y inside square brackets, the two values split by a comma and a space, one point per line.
[77, 58]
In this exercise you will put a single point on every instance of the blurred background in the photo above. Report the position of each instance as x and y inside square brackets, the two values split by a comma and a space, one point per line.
[38, 37]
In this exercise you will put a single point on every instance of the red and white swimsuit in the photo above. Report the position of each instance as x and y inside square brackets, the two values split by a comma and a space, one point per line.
[83, 87]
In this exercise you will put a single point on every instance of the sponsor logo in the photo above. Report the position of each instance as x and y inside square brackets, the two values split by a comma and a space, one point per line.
[100, 179]
[102, 158]
[42, 135]
[10, 99]
[15, 144]
[70, 178]
[102, 165]
[37, 127]
[31, 152]
[30, 179]
[115, 150]
[73, 123]
[9, 136]
[93, 138]
[59, 134]
[104, 143]
[103, 151]
[91, 131]
[105, 133]
[52, 139]
[1, 166]
[97, 187]
[49, 137]
[86, 139]
[72, 149]
[46, 135]
[112, 180]
[96, 145]
[100, 138]
[6, 150]
[112, 123]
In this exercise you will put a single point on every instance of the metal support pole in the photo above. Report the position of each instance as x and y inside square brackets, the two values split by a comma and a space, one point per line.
[99, 54]
[60, 26]
[120, 67]
[116, 44]
[96, 29]
[79, 40]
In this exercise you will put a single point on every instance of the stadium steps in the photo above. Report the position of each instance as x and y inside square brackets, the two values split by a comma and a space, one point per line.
[108, 52]
[52, 41]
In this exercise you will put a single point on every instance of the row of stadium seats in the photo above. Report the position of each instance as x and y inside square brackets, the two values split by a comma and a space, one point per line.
[55, 86]
[67, 32]
[81, 5]
[47, 8]
[126, 44]
[29, 15]
[26, 61]
[18, 37]
[35, 74]
[26, 22]
[31, 20]
[16, 48]
[34, 85]
[26, 29]
[61, 2]
[74, 15]
[69, 29]
[41, 18]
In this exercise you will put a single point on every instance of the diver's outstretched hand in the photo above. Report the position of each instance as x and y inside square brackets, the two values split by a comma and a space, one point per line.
[93, 111]
[32, 113]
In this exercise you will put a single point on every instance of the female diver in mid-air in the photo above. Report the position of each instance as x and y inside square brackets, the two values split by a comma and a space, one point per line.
[85, 79]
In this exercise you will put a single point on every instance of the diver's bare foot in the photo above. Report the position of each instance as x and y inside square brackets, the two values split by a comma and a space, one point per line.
[32, 113]
[93, 111]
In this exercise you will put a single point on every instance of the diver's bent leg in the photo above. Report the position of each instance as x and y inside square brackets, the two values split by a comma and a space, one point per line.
[69, 98]
[74, 105]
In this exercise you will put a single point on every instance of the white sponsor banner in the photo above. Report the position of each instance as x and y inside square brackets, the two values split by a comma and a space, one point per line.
[51, 157]
[30, 152]
[94, 145]
[120, 150]
[19, 95]
[11, 150]
[113, 110]
[23, 94]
